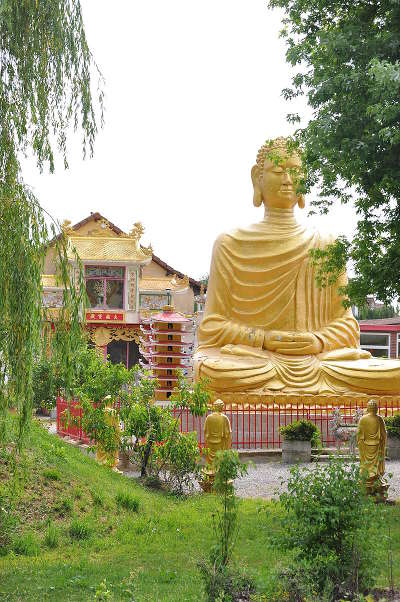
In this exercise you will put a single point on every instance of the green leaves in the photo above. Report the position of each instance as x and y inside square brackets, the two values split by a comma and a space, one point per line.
[45, 88]
[347, 61]
[300, 430]
[331, 526]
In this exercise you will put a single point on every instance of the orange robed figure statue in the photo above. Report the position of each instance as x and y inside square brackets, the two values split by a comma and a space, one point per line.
[371, 441]
[217, 435]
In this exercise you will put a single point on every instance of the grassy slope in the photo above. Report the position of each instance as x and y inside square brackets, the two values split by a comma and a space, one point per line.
[149, 555]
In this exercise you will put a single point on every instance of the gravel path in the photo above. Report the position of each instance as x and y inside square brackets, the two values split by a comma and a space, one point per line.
[264, 479]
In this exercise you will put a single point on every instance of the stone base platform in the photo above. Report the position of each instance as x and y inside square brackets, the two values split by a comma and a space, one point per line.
[287, 400]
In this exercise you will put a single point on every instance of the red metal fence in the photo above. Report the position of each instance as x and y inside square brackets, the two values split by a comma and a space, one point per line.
[253, 427]
[257, 427]
[70, 429]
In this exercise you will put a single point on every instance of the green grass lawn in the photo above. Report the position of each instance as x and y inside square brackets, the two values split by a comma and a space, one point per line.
[148, 554]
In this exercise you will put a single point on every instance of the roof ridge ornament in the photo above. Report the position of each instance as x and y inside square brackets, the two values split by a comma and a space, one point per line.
[66, 228]
[136, 234]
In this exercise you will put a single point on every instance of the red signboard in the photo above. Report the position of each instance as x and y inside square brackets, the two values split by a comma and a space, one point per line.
[105, 316]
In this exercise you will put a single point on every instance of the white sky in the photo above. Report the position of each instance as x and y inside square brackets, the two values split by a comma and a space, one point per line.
[192, 91]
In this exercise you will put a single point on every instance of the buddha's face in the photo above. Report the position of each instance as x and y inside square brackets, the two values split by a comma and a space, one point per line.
[277, 183]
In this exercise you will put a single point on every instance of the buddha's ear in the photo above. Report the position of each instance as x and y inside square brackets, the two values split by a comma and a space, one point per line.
[255, 178]
[301, 201]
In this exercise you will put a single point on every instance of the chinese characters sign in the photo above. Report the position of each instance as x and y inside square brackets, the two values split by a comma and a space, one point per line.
[105, 316]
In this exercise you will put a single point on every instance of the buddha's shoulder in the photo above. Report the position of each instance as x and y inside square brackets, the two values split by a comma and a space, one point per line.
[239, 234]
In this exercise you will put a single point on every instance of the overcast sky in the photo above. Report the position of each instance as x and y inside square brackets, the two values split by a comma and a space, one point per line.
[192, 91]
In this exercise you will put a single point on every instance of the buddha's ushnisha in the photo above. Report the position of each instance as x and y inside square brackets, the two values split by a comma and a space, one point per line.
[267, 326]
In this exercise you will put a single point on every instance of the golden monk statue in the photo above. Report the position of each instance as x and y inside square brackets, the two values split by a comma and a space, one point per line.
[110, 457]
[371, 441]
[217, 437]
[267, 327]
[217, 432]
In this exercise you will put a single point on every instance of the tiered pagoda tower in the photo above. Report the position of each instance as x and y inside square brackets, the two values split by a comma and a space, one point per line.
[167, 340]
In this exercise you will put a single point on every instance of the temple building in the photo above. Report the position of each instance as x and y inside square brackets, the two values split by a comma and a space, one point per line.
[124, 280]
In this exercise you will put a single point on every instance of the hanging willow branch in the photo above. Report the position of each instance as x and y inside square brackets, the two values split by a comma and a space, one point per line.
[45, 88]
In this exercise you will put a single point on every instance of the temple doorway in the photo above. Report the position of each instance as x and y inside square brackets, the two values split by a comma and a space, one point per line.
[123, 352]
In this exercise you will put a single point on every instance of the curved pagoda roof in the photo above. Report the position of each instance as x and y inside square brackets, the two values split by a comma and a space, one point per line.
[169, 315]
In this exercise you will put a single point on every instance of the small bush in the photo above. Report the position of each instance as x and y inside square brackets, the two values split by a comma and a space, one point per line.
[52, 474]
[331, 526]
[393, 426]
[102, 592]
[52, 536]
[301, 430]
[127, 501]
[79, 530]
[221, 581]
[27, 545]
[179, 458]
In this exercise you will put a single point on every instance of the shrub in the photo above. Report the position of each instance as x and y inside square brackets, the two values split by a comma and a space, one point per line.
[52, 474]
[179, 461]
[102, 592]
[127, 501]
[393, 426]
[330, 524]
[301, 430]
[79, 530]
[51, 537]
[151, 426]
[45, 382]
[27, 545]
[222, 582]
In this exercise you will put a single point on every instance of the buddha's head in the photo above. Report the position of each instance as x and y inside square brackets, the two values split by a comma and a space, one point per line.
[275, 176]
[372, 407]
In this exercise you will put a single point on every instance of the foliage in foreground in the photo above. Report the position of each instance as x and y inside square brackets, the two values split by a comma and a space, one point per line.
[147, 555]
[152, 435]
[332, 527]
[347, 61]
[392, 424]
[221, 580]
[45, 88]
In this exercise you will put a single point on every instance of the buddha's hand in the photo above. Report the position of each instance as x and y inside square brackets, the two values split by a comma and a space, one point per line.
[292, 343]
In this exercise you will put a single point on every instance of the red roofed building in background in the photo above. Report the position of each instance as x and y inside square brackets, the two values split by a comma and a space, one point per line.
[381, 337]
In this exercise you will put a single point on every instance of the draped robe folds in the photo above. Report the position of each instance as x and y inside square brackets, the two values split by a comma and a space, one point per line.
[262, 279]
[371, 441]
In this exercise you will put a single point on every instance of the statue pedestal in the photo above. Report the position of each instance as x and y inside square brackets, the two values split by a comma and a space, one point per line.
[254, 399]
[207, 482]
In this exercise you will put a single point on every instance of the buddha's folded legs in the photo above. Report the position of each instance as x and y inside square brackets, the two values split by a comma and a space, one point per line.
[239, 368]
[372, 375]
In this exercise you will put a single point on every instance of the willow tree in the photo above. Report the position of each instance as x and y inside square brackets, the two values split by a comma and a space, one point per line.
[46, 89]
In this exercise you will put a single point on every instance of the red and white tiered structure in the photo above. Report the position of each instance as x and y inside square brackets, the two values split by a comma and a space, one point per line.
[167, 340]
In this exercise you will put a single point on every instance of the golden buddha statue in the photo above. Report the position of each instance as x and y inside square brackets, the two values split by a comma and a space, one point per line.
[217, 432]
[371, 441]
[267, 327]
